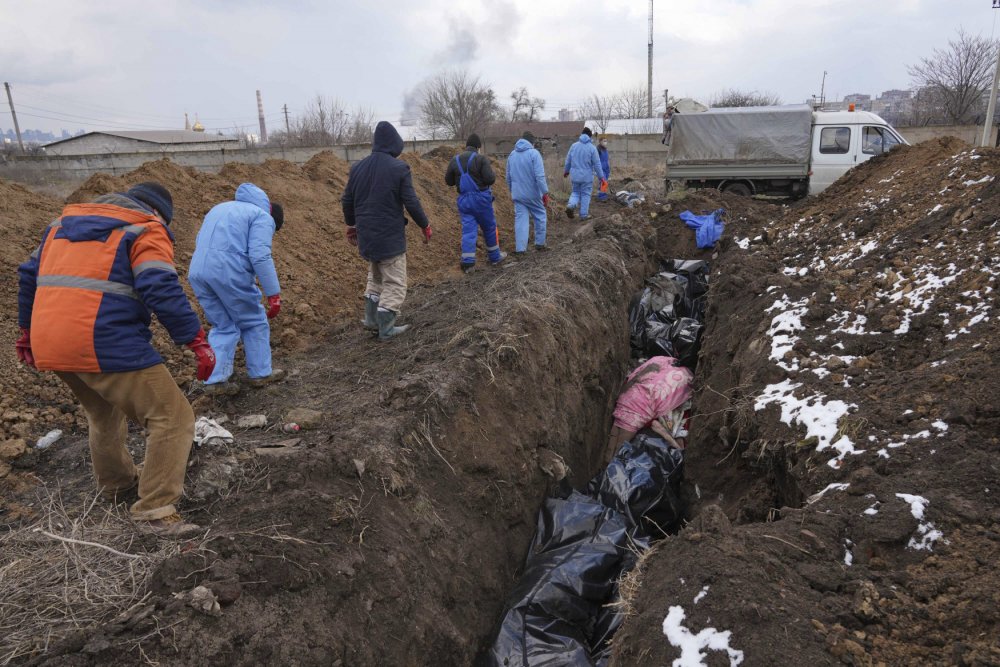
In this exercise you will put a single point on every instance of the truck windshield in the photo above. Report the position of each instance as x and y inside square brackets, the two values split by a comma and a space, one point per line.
[835, 140]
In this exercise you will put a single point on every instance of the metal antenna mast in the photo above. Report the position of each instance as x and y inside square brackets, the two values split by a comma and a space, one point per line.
[649, 77]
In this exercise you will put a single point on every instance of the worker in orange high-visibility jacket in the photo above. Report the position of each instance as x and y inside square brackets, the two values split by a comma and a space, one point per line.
[84, 305]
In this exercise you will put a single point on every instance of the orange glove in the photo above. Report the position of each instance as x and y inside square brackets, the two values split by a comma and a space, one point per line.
[206, 357]
[23, 347]
[604, 185]
[352, 235]
[273, 306]
[427, 234]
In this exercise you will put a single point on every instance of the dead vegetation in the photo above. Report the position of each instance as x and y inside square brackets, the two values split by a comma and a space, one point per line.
[77, 568]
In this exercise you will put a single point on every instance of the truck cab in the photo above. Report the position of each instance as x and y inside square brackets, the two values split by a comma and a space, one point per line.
[780, 151]
[843, 139]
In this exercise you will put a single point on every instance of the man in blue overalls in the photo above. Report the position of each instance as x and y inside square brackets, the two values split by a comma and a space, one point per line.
[472, 175]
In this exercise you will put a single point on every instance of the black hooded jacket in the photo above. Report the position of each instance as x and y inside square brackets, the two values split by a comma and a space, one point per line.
[377, 190]
[478, 166]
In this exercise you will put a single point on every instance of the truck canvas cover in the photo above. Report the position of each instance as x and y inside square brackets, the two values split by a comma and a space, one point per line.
[731, 136]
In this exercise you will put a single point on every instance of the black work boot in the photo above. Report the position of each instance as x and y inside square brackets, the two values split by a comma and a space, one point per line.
[371, 307]
[386, 321]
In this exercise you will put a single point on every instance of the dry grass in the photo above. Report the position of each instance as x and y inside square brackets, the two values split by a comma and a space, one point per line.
[51, 587]
[631, 582]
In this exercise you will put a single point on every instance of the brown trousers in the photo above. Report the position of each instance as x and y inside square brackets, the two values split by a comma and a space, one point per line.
[149, 397]
[387, 280]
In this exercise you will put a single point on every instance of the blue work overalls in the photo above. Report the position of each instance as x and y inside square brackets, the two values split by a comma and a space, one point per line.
[475, 207]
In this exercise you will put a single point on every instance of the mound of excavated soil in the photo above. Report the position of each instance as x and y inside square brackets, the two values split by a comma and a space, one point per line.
[851, 351]
[322, 276]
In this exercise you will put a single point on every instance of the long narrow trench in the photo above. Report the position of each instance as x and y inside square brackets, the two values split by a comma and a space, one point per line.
[566, 607]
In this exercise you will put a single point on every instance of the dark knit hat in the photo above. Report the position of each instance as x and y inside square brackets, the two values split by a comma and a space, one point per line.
[278, 213]
[528, 136]
[155, 196]
[587, 131]
[474, 141]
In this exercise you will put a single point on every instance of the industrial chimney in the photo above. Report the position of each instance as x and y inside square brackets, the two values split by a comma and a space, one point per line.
[260, 116]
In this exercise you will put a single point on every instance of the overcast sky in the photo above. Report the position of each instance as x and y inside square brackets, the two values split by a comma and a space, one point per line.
[141, 65]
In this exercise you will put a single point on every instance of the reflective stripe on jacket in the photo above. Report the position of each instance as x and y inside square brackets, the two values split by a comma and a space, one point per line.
[87, 291]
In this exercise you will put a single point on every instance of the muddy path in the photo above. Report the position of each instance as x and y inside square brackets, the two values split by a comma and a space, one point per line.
[390, 533]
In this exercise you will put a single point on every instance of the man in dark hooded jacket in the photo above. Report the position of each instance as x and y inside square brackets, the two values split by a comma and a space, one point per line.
[378, 188]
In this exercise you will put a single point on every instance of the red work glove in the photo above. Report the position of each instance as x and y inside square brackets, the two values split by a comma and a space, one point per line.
[273, 306]
[23, 347]
[427, 234]
[604, 185]
[565, 174]
[545, 199]
[352, 235]
[206, 357]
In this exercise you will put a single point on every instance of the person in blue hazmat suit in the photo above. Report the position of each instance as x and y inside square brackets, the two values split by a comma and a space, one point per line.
[472, 175]
[530, 192]
[582, 165]
[602, 153]
[232, 249]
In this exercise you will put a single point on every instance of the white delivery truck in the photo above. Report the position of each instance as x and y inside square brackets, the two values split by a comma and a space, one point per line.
[788, 151]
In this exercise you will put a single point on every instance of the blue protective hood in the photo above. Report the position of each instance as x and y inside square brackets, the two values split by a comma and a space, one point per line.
[251, 194]
[386, 139]
[585, 139]
[523, 145]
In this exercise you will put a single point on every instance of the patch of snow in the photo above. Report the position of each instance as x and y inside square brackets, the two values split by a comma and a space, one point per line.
[836, 486]
[701, 594]
[984, 179]
[818, 416]
[691, 644]
[883, 453]
[743, 243]
[939, 425]
[848, 556]
[925, 529]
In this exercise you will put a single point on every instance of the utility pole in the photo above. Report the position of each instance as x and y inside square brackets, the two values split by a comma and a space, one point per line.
[260, 117]
[13, 114]
[822, 90]
[649, 77]
[287, 131]
[988, 125]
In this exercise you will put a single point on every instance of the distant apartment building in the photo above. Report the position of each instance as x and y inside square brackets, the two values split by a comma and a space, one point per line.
[860, 101]
[567, 115]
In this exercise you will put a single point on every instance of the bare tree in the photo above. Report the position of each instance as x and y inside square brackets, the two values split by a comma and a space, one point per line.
[957, 78]
[599, 109]
[456, 104]
[524, 107]
[632, 103]
[326, 122]
[734, 97]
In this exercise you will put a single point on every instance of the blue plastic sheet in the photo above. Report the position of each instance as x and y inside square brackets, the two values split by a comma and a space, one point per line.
[707, 228]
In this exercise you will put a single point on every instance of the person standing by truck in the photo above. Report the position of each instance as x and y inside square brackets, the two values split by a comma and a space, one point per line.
[582, 165]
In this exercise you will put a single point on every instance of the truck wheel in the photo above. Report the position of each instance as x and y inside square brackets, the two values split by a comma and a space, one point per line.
[741, 189]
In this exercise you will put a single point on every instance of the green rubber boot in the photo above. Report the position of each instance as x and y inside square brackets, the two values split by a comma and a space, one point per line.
[386, 321]
[371, 307]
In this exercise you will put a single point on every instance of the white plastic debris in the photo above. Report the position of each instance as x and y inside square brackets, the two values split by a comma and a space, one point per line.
[208, 432]
[49, 439]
